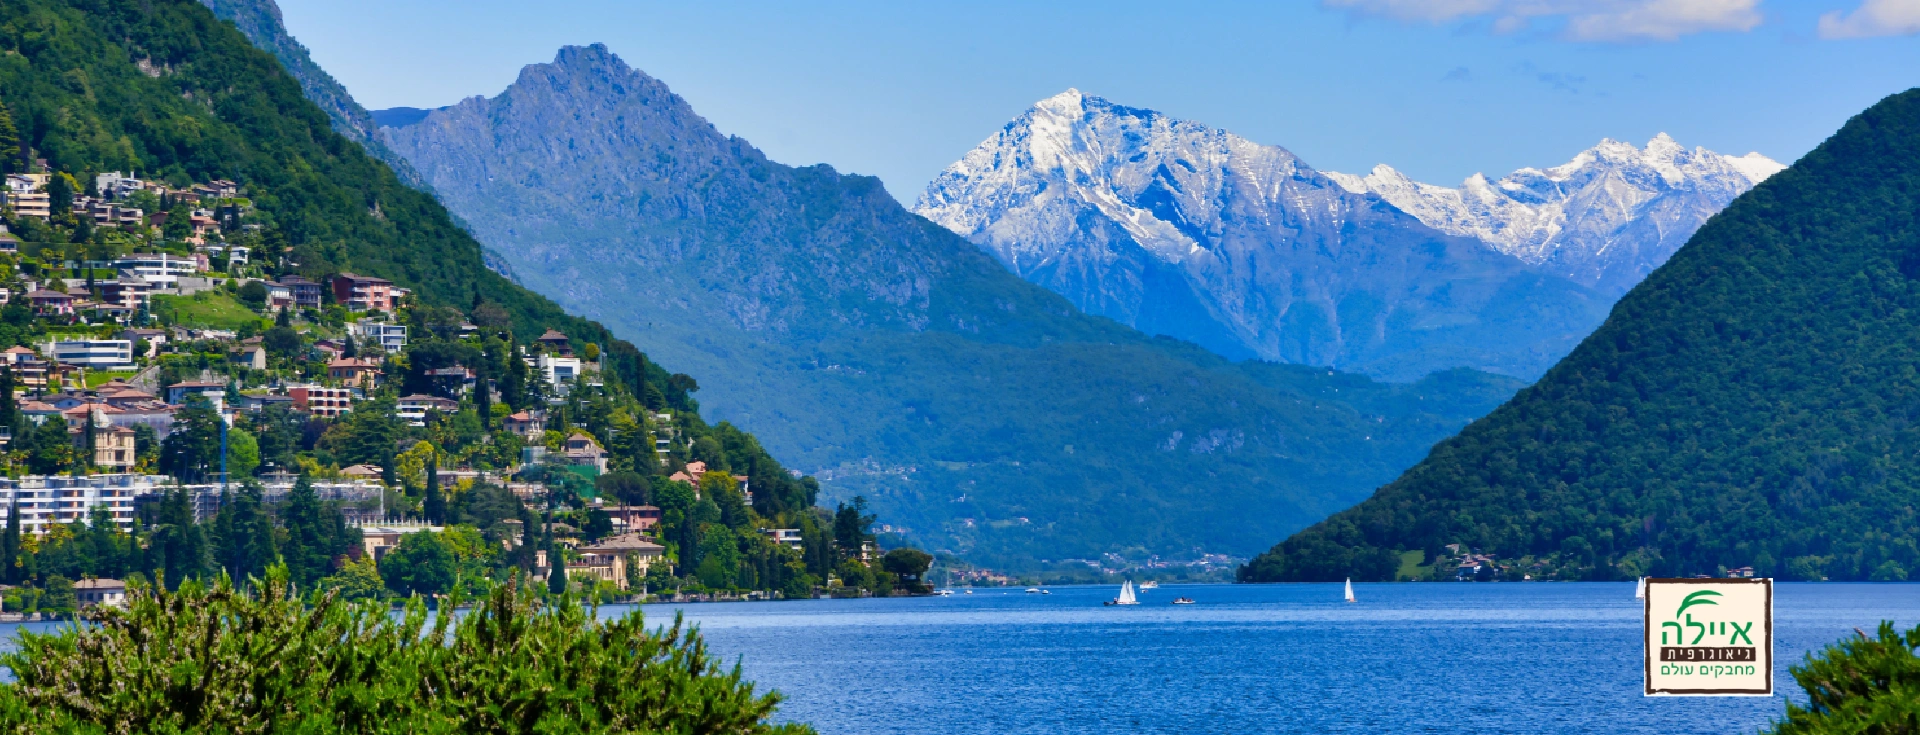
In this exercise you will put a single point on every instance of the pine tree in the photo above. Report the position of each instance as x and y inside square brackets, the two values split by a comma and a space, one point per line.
[434, 506]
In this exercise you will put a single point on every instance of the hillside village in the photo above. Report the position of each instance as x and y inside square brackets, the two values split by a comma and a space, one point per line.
[179, 398]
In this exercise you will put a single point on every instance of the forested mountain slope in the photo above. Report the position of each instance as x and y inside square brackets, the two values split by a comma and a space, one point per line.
[1752, 402]
[894, 358]
[260, 21]
[164, 88]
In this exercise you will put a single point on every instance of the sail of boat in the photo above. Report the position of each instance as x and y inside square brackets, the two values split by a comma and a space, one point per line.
[1640, 590]
[1126, 594]
[1349, 589]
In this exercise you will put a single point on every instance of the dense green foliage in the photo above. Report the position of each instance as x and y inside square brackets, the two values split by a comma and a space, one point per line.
[894, 359]
[1859, 685]
[1752, 403]
[210, 659]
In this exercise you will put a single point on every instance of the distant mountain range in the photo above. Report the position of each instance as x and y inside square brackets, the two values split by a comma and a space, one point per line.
[1191, 231]
[1752, 403]
[1605, 219]
[896, 360]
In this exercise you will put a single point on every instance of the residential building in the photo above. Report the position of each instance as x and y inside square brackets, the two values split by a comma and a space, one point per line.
[413, 409]
[525, 423]
[130, 292]
[609, 560]
[633, 518]
[115, 185]
[113, 446]
[376, 541]
[388, 337]
[363, 293]
[48, 500]
[583, 451]
[321, 401]
[27, 195]
[214, 391]
[100, 592]
[279, 296]
[306, 294]
[153, 337]
[362, 472]
[354, 371]
[789, 537]
[95, 354]
[559, 371]
[50, 303]
[555, 343]
[163, 269]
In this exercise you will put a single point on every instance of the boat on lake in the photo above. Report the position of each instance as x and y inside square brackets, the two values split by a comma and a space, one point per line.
[1349, 589]
[1182, 600]
[1640, 590]
[1149, 585]
[1033, 590]
[1126, 595]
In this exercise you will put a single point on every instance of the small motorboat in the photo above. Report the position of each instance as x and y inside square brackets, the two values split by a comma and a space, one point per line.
[1149, 585]
[943, 593]
[969, 590]
[1033, 590]
[1046, 592]
[1182, 600]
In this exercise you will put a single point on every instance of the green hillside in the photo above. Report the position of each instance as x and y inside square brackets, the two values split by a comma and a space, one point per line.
[1755, 402]
[163, 88]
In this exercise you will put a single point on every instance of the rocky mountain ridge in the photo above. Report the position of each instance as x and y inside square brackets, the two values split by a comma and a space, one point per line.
[1605, 219]
[1178, 228]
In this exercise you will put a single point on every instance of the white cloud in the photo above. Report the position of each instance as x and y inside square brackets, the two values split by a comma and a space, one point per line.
[1584, 20]
[1873, 18]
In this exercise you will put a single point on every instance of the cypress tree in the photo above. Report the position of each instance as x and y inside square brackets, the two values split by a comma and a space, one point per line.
[435, 506]
[9, 408]
[483, 402]
[9, 143]
[10, 544]
[557, 578]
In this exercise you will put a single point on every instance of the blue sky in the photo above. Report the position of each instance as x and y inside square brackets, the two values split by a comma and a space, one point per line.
[1440, 89]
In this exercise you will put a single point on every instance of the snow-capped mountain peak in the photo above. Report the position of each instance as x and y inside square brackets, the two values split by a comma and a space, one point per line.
[1606, 218]
[1178, 228]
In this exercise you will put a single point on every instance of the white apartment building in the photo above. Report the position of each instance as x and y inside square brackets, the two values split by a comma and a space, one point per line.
[44, 501]
[390, 337]
[96, 354]
[559, 371]
[163, 269]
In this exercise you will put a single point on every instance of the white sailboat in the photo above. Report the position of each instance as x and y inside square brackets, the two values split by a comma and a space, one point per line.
[1126, 595]
[1640, 590]
[1349, 589]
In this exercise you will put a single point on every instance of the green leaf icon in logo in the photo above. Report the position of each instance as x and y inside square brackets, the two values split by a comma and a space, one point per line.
[1697, 598]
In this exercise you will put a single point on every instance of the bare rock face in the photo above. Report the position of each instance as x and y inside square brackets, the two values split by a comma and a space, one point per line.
[1605, 219]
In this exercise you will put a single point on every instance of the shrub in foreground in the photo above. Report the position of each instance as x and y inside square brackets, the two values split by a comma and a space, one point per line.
[214, 659]
[1859, 685]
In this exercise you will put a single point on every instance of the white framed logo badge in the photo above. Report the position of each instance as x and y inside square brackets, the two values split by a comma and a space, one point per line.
[1709, 637]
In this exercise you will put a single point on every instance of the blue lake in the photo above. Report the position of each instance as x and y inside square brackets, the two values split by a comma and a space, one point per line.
[1407, 658]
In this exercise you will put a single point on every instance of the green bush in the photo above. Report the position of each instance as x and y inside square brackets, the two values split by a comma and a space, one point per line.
[1859, 685]
[217, 660]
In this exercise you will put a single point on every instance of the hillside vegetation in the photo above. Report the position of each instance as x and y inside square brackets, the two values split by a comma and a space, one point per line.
[1752, 403]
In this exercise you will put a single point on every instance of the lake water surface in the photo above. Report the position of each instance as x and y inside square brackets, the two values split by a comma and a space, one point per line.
[1460, 659]
[1407, 658]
